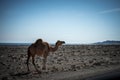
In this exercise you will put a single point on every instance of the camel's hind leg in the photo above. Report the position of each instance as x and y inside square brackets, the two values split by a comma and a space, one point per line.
[28, 62]
[34, 64]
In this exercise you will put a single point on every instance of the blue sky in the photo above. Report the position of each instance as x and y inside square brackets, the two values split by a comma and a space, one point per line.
[74, 21]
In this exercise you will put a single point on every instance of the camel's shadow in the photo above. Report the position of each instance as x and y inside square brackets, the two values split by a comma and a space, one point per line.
[20, 74]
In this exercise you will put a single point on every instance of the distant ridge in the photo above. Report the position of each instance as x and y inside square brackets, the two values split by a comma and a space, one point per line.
[108, 42]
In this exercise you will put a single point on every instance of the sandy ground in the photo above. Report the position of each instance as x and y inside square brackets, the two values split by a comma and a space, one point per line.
[69, 62]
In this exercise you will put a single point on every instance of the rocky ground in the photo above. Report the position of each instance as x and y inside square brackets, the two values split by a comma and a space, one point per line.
[69, 62]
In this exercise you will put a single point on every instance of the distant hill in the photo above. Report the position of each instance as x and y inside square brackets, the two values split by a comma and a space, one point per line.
[108, 42]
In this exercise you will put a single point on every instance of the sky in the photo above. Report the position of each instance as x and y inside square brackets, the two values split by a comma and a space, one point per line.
[73, 21]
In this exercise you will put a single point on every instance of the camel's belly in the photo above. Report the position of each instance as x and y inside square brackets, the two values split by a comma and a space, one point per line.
[39, 53]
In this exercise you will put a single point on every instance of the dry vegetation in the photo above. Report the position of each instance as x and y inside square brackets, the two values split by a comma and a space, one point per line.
[67, 59]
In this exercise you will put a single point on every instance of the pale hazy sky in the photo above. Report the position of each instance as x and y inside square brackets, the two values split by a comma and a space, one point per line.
[74, 21]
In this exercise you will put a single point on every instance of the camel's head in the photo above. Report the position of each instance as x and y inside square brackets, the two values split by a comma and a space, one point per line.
[59, 43]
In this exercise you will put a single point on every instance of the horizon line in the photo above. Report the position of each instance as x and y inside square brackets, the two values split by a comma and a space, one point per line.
[54, 43]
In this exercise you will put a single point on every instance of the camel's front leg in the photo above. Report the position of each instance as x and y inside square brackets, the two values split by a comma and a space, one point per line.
[44, 64]
[44, 60]
[35, 65]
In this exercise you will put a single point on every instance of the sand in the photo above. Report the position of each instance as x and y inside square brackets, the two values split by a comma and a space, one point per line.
[69, 62]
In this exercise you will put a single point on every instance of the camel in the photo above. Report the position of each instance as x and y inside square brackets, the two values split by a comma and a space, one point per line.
[41, 48]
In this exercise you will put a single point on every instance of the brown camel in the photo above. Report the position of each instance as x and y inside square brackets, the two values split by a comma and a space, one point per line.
[41, 48]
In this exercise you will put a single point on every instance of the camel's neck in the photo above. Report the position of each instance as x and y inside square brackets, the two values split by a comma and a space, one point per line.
[53, 49]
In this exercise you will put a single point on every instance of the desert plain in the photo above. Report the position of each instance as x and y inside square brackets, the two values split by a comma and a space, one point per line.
[69, 62]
